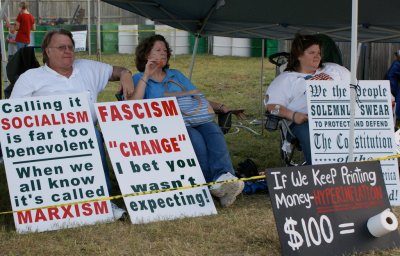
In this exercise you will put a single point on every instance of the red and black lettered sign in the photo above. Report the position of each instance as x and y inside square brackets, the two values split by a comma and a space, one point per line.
[324, 209]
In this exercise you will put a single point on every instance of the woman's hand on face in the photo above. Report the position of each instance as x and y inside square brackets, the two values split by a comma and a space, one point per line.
[154, 62]
[151, 66]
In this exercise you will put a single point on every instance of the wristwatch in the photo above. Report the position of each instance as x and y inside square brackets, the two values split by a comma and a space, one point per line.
[276, 109]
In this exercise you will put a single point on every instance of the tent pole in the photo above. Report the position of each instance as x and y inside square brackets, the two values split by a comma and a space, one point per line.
[262, 107]
[174, 51]
[88, 28]
[98, 32]
[196, 43]
[353, 77]
[3, 73]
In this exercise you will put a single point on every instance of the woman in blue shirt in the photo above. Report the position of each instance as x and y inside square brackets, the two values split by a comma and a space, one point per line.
[156, 80]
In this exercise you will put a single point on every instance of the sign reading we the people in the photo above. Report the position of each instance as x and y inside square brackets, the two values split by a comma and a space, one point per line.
[52, 160]
[329, 120]
[150, 150]
[324, 209]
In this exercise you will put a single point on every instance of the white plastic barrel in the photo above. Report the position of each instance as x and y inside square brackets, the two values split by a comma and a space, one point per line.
[222, 46]
[127, 38]
[181, 42]
[241, 47]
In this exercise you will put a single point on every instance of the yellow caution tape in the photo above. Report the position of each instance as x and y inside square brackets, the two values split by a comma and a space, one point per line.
[136, 194]
[169, 189]
[385, 157]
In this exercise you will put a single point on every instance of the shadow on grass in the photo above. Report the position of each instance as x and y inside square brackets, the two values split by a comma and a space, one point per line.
[6, 220]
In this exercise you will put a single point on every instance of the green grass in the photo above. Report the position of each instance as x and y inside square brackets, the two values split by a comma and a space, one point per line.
[246, 228]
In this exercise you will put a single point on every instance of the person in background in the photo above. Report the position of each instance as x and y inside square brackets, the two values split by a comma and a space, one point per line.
[62, 74]
[154, 81]
[12, 44]
[393, 75]
[286, 95]
[25, 22]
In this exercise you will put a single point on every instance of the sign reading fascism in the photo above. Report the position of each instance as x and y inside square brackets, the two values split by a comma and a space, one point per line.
[151, 151]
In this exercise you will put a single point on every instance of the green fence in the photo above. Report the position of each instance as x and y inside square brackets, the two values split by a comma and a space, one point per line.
[109, 37]
[145, 31]
[270, 47]
[202, 46]
[39, 34]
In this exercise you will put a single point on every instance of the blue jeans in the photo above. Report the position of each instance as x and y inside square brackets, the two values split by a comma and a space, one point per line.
[397, 109]
[211, 150]
[301, 131]
[21, 45]
[100, 141]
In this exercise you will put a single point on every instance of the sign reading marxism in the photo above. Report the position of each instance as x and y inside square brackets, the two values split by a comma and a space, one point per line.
[52, 160]
[150, 150]
[329, 120]
[324, 209]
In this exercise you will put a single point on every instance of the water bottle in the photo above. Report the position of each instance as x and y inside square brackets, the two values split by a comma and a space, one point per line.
[273, 119]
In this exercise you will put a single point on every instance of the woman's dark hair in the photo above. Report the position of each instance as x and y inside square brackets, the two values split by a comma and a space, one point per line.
[144, 48]
[47, 40]
[299, 45]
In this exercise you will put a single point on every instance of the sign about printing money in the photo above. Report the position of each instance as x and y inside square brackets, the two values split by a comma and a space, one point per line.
[150, 151]
[52, 160]
[329, 120]
[324, 209]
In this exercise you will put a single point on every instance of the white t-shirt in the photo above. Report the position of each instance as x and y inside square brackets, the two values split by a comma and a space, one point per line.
[87, 76]
[289, 88]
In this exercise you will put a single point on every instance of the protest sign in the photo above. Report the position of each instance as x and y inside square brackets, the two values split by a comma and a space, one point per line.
[397, 141]
[329, 121]
[80, 40]
[324, 209]
[150, 150]
[52, 158]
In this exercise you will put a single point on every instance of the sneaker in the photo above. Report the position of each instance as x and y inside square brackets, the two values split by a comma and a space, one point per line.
[227, 192]
[119, 213]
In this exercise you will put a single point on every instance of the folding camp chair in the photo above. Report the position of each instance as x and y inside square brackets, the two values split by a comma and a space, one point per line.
[22, 60]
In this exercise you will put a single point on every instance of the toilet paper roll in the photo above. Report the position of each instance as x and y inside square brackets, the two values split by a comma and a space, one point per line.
[382, 223]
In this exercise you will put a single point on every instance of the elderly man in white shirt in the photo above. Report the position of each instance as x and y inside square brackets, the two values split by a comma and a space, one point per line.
[62, 74]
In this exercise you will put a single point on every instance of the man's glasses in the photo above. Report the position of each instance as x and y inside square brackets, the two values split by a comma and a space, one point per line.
[63, 48]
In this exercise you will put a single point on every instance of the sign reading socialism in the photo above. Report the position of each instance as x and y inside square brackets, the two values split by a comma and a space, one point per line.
[52, 158]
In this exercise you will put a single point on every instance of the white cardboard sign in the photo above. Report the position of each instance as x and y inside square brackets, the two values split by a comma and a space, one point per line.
[150, 150]
[329, 120]
[80, 40]
[51, 158]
